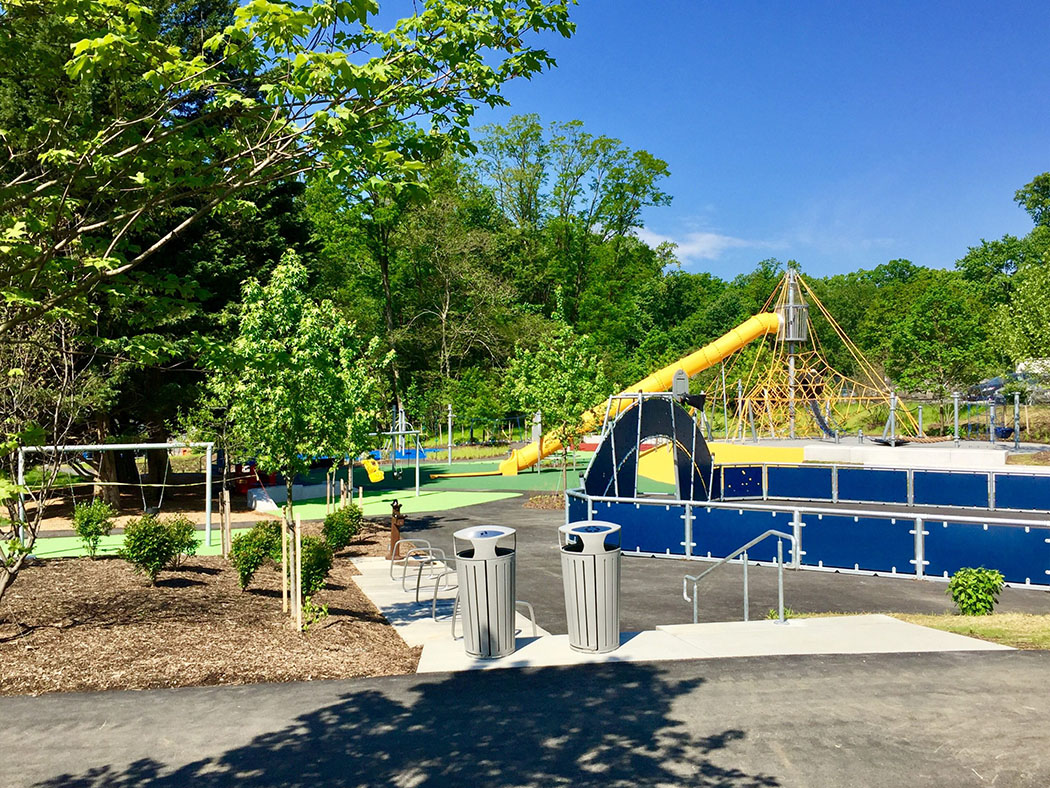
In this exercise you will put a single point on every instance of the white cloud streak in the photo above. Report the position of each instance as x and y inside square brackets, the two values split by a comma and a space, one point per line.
[695, 246]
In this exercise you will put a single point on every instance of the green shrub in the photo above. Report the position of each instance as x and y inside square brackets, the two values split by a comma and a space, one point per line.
[312, 613]
[317, 563]
[92, 521]
[250, 550]
[148, 546]
[184, 536]
[975, 591]
[341, 526]
[152, 544]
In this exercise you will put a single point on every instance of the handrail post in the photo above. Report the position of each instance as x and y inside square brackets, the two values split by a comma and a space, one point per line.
[780, 580]
[696, 612]
[746, 603]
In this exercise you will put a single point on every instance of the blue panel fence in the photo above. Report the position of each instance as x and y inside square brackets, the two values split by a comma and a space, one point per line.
[861, 541]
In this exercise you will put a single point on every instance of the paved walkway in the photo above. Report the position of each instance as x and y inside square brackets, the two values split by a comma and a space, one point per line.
[881, 721]
[417, 625]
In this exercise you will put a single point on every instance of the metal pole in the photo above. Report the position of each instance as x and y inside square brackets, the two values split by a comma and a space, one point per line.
[419, 450]
[893, 419]
[450, 434]
[921, 433]
[1017, 419]
[725, 401]
[780, 579]
[746, 602]
[739, 411]
[790, 314]
[991, 421]
[21, 496]
[207, 494]
[955, 400]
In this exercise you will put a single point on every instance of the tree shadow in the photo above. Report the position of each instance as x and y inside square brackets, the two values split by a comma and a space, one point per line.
[178, 582]
[608, 725]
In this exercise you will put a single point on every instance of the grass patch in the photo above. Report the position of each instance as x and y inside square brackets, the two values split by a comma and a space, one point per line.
[1020, 630]
[1029, 458]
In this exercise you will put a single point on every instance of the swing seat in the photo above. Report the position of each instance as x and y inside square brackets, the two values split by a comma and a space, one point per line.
[375, 473]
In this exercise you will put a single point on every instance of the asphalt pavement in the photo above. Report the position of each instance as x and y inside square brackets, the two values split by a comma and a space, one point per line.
[949, 719]
[652, 587]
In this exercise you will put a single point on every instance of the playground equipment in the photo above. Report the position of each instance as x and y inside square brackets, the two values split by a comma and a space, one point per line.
[371, 466]
[918, 522]
[751, 329]
[789, 388]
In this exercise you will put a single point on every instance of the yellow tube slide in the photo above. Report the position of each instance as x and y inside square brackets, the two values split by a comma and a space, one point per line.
[707, 356]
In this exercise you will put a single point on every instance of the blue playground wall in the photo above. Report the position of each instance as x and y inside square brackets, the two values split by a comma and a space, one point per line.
[868, 542]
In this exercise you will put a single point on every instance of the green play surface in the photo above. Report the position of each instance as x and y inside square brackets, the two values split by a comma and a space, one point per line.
[377, 503]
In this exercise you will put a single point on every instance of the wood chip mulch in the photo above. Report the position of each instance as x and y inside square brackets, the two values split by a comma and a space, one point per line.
[553, 502]
[82, 624]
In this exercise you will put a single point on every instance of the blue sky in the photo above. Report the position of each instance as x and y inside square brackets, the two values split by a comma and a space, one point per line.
[839, 134]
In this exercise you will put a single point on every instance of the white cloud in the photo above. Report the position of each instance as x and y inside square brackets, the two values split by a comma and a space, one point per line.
[695, 246]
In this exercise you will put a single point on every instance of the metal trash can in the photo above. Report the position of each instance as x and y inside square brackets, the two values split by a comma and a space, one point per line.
[485, 568]
[590, 570]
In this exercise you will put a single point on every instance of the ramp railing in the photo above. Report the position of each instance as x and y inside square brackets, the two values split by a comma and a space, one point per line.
[742, 552]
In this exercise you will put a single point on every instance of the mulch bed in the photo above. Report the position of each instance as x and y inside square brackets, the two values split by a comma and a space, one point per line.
[82, 624]
[547, 501]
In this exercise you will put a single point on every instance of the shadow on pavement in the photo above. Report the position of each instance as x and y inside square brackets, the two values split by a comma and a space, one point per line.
[609, 725]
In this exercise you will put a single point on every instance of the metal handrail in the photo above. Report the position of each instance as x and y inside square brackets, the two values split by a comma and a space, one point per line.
[781, 536]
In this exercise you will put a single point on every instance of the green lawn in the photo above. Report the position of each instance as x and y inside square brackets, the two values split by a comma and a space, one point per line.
[377, 503]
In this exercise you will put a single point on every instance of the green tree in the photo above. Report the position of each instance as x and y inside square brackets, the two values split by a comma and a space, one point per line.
[561, 379]
[300, 381]
[148, 134]
[942, 340]
[1034, 197]
[1025, 320]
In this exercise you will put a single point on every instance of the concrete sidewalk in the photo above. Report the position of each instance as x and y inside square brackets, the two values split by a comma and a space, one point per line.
[867, 634]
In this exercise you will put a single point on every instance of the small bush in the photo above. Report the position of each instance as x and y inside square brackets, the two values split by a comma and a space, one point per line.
[250, 550]
[341, 526]
[152, 544]
[92, 521]
[148, 546]
[317, 563]
[774, 614]
[312, 613]
[184, 536]
[975, 591]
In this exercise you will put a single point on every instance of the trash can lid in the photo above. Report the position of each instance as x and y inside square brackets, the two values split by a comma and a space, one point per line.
[483, 533]
[589, 527]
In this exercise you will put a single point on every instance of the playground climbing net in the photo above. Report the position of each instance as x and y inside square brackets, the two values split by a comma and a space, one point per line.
[788, 387]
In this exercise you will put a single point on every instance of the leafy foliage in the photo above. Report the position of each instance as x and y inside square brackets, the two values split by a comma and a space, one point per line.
[975, 591]
[313, 614]
[317, 563]
[152, 544]
[92, 521]
[251, 550]
[133, 132]
[341, 526]
[184, 537]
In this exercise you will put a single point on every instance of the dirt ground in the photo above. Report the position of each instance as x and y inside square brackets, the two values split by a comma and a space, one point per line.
[82, 624]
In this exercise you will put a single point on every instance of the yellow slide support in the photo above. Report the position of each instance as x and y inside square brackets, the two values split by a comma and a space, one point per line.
[707, 356]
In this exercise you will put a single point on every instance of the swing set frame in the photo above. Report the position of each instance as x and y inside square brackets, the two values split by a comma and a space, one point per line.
[209, 450]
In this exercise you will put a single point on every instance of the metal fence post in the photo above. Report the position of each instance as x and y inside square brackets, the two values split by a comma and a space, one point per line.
[955, 400]
[893, 419]
[746, 602]
[921, 433]
[796, 530]
[688, 530]
[780, 580]
[920, 547]
[1017, 419]
[991, 422]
